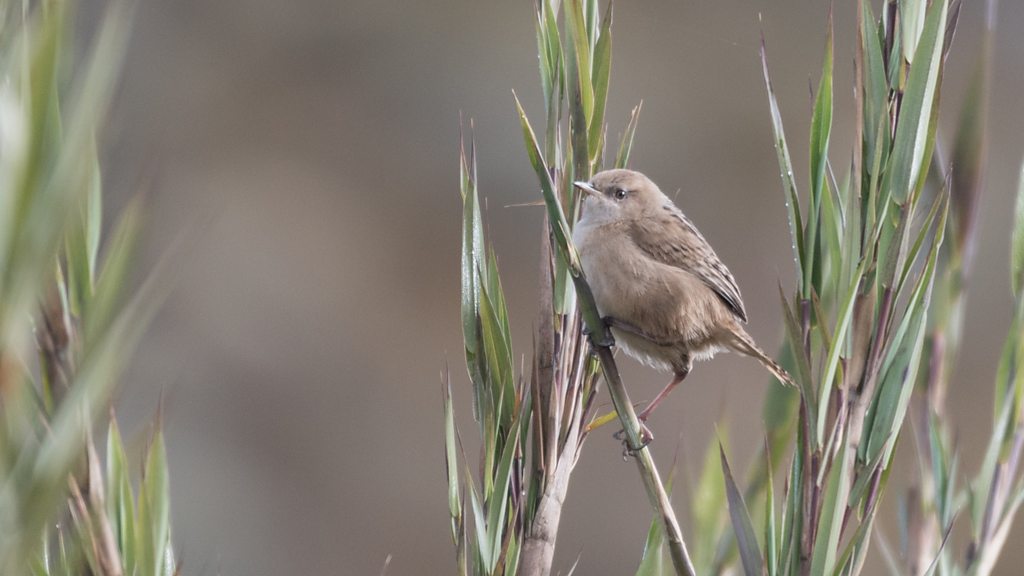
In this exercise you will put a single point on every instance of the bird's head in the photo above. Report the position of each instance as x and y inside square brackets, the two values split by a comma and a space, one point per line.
[618, 195]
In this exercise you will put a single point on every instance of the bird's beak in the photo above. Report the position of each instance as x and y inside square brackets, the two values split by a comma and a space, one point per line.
[586, 187]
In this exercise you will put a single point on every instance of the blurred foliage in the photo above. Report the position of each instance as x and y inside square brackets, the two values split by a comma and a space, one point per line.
[66, 327]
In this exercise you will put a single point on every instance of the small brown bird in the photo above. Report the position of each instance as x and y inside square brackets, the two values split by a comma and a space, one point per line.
[657, 282]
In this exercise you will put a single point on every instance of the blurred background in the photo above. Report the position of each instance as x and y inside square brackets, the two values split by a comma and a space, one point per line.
[307, 150]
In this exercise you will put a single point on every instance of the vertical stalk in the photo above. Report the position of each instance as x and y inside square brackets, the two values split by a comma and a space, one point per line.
[645, 463]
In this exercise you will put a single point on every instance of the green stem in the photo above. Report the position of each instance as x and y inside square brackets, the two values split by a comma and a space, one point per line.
[645, 462]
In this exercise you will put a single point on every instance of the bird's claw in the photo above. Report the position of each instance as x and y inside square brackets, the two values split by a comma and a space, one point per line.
[602, 339]
[646, 437]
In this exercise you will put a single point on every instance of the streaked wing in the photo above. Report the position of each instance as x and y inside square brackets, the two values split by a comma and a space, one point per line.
[671, 238]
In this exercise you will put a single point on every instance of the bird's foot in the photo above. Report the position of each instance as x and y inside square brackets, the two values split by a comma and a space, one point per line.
[646, 437]
[604, 339]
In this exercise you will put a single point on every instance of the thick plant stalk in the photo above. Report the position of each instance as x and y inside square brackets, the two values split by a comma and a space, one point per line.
[558, 457]
[539, 548]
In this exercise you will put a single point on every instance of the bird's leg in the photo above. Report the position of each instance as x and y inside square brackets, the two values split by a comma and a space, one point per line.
[613, 322]
[646, 436]
[679, 377]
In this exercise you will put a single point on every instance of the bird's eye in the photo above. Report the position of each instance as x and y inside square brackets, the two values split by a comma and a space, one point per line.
[620, 193]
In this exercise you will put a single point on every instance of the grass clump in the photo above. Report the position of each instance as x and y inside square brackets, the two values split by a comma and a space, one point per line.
[68, 323]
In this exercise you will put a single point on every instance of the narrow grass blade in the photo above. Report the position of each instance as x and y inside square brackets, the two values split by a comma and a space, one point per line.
[652, 563]
[803, 363]
[497, 511]
[626, 146]
[1017, 246]
[911, 141]
[746, 540]
[601, 77]
[796, 228]
[901, 364]
[770, 528]
[153, 528]
[120, 501]
[708, 501]
[833, 508]
[875, 89]
[473, 264]
[912, 20]
[576, 19]
[838, 343]
[114, 274]
[558, 223]
[851, 561]
[821, 128]
[481, 541]
[497, 354]
[451, 460]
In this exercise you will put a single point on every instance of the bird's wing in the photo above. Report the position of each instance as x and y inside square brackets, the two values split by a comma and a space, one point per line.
[669, 237]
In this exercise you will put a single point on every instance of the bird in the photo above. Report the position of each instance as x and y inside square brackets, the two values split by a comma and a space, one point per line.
[657, 282]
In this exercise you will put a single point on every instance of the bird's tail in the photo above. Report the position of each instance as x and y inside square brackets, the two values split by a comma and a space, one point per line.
[744, 344]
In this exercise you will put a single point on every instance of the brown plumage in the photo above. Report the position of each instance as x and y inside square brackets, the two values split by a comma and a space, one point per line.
[666, 295]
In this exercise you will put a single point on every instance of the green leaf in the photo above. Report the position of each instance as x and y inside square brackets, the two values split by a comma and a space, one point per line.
[833, 227]
[837, 345]
[803, 363]
[874, 101]
[497, 354]
[851, 561]
[601, 77]
[558, 223]
[796, 228]
[576, 19]
[626, 146]
[912, 133]
[153, 528]
[915, 249]
[708, 503]
[552, 71]
[770, 536]
[120, 501]
[81, 242]
[482, 542]
[497, 506]
[114, 274]
[473, 265]
[833, 508]
[652, 563]
[1017, 251]
[451, 460]
[912, 14]
[903, 360]
[746, 540]
[821, 128]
